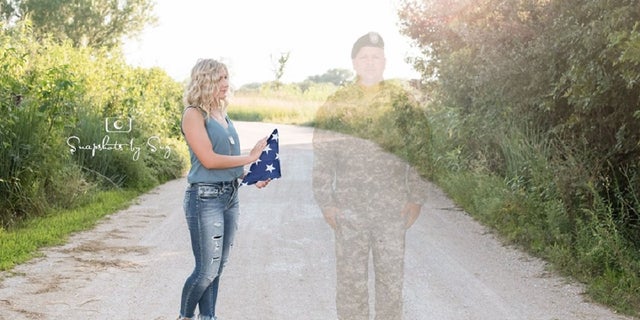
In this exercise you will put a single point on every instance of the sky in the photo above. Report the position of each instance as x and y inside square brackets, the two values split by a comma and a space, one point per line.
[249, 36]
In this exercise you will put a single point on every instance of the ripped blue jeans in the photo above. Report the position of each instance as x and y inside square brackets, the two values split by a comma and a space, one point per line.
[211, 210]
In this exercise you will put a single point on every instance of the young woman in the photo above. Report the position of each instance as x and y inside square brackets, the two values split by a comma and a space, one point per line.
[211, 198]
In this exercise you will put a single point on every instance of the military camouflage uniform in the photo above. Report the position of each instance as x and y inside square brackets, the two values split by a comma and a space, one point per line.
[370, 186]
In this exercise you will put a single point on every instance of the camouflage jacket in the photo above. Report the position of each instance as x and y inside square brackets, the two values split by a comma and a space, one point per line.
[356, 140]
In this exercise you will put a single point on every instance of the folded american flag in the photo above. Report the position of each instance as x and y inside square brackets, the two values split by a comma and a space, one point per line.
[268, 165]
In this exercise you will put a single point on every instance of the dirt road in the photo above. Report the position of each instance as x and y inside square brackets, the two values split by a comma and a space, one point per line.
[132, 265]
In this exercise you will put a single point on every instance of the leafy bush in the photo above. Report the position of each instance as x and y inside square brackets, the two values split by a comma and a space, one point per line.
[60, 139]
[537, 101]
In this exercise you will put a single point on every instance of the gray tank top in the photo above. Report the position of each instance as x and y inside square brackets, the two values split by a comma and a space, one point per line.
[225, 142]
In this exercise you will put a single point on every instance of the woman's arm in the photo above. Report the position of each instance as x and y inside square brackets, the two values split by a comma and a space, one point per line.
[196, 135]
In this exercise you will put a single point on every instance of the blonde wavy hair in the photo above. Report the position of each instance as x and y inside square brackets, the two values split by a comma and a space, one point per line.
[204, 82]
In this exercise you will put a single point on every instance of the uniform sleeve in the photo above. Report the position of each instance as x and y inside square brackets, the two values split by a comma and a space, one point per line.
[416, 188]
[411, 122]
[324, 160]
[324, 167]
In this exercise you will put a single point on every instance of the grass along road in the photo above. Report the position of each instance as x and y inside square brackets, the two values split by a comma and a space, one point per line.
[132, 265]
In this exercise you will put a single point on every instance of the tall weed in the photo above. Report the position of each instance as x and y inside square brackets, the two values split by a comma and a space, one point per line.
[57, 104]
[608, 260]
[542, 195]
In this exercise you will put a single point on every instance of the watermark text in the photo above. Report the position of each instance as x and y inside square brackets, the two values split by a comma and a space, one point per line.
[153, 144]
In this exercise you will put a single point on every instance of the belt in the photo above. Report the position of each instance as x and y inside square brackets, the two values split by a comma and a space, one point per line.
[233, 183]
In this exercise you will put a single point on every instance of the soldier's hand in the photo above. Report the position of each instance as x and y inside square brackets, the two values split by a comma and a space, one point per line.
[410, 213]
[331, 216]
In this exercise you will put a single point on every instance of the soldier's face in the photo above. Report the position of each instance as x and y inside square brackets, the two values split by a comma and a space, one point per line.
[369, 65]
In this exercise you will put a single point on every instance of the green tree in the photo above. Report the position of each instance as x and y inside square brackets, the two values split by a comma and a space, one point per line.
[86, 23]
[565, 72]
[566, 67]
[278, 67]
[335, 76]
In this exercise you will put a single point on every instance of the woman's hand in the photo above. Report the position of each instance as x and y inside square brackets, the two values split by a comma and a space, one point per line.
[262, 184]
[257, 149]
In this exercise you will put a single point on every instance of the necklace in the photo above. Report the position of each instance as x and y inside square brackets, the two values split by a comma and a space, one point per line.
[218, 115]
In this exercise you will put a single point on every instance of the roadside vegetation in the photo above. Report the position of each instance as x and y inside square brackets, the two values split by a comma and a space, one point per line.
[294, 103]
[81, 132]
[533, 127]
[534, 109]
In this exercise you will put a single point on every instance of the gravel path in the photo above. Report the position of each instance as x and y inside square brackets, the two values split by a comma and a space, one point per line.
[132, 265]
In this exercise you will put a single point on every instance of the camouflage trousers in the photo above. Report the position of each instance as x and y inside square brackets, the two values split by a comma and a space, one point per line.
[357, 238]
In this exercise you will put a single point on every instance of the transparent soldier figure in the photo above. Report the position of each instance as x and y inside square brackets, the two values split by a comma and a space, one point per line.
[368, 195]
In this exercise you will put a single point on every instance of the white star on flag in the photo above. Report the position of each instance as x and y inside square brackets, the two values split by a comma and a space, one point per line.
[268, 165]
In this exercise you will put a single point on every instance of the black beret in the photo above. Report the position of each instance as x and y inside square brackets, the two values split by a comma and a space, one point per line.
[371, 39]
